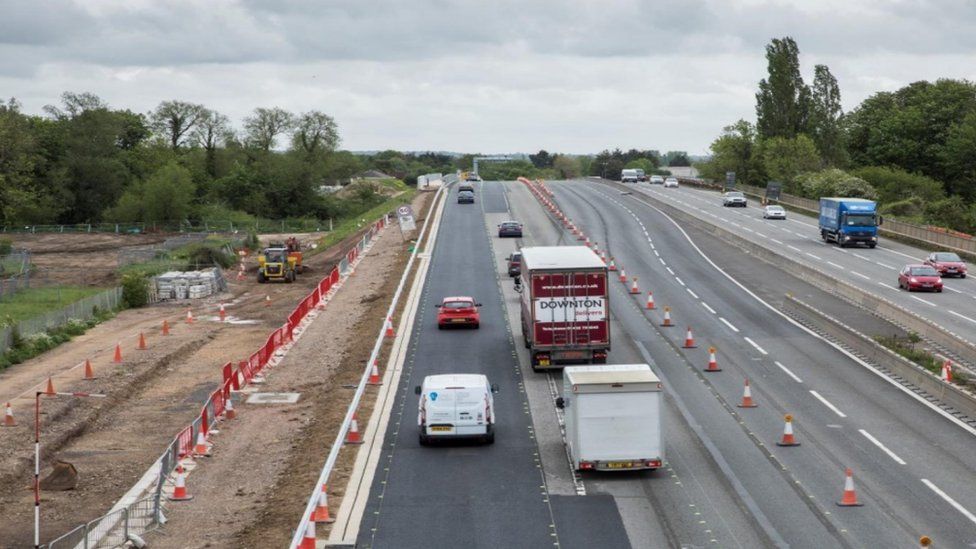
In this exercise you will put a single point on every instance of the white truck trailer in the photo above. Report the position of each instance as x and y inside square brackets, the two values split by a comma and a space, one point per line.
[613, 417]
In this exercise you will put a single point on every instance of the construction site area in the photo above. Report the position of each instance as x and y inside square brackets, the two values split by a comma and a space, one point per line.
[113, 400]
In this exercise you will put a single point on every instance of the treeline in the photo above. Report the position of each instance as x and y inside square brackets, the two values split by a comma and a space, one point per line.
[84, 162]
[912, 149]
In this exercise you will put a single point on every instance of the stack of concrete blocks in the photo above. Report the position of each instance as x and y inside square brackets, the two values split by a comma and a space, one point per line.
[188, 284]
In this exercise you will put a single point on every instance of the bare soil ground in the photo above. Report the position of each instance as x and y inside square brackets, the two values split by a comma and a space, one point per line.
[84, 259]
[155, 392]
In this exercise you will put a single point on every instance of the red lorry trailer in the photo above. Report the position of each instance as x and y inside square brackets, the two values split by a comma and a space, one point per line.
[565, 306]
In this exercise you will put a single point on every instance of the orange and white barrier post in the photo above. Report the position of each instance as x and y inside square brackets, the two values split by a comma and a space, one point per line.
[650, 301]
[613, 265]
[229, 412]
[222, 313]
[165, 327]
[189, 316]
[308, 541]
[849, 499]
[712, 363]
[689, 340]
[267, 300]
[389, 327]
[667, 317]
[633, 287]
[747, 397]
[788, 438]
[946, 372]
[623, 275]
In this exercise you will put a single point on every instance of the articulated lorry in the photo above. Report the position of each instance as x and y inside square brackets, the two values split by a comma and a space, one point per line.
[613, 417]
[849, 221]
[565, 306]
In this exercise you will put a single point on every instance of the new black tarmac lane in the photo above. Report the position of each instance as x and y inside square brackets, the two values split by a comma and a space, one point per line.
[468, 494]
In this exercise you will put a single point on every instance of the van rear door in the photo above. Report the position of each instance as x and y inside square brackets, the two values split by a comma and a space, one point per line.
[471, 405]
[440, 410]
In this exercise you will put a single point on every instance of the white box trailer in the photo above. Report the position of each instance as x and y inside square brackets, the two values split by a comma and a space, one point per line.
[613, 417]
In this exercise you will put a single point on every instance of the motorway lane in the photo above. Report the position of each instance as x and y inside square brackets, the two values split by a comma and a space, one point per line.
[873, 270]
[469, 495]
[893, 490]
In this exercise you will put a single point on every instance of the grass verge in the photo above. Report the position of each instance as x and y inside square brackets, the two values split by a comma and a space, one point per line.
[33, 302]
[906, 348]
[351, 225]
[26, 348]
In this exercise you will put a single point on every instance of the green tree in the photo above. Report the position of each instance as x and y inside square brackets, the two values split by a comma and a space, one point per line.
[833, 182]
[735, 151]
[542, 159]
[959, 157]
[785, 158]
[641, 164]
[265, 125]
[341, 165]
[316, 133]
[209, 132]
[567, 167]
[175, 120]
[825, 115]
[895, 184]
[783, 100]
[166, 196]
[676, 158]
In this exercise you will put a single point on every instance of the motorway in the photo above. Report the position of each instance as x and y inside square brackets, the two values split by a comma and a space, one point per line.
[725, 484]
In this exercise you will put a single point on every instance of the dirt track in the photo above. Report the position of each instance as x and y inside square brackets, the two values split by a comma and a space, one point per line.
[152, 395]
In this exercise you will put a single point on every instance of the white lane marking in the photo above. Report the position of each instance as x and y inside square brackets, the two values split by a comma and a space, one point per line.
[962, 316]
[835, 265]
[948, 499]
[729, 324]
[887, 249]
[890, 287]
[753, 343]
[760, 235]
[670, 271]
[793, 247]
[776, 241]
[682, 282]
[952, 290]
[927, 302]
[884, 448]
[693, 294]
[865, 277]
[748, 229]
[827, 403]
[886, 266]
[657, 254]
[711, 310]
[862, 257]
[788, 372]
[813, 256]
[840, 250]
[661, 260]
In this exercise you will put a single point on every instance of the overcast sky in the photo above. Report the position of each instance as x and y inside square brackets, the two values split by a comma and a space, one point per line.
[476, 76]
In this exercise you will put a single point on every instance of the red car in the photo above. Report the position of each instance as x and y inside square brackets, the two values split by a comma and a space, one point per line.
[947, 263]
[920, 277]
[458, 311]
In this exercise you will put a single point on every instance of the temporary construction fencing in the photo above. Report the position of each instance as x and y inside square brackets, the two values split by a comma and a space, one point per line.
[143, 511]
[83, 309]
[337, 445]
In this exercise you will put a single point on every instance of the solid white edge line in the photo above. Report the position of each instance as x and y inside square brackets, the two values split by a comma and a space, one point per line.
[754, 344]
[827, 403]
[949, 500]
[884, 448]
[729, 324]
[788, 372]
[711, 310]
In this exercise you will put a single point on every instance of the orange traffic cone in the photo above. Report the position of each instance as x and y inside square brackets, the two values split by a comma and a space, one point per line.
[267, 300]
[946, 372]
[667, 317]
[689, 340]
[165, 327]
[223, 313]
[179, 493]
[588, 243]
[623, 275]
[613, 266]
[353, 436]
[747, 397]
[321, 514]
[50, 387]
[118, 353]
[89, 371]
[633, 287]
[142, 342]
[189, 316]
[8, 417]
[788, 439]
[603, 257]
[650, 300]
[579, 235]
[712, 363]
[201, 449]
[374, 375]
[850, 496]
[229, 412]
[308, 542]
[389, 327]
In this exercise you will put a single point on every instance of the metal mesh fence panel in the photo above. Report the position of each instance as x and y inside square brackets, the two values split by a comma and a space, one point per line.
[83, 309]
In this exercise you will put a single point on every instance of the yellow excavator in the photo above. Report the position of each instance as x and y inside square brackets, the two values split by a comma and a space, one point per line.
[276, 264]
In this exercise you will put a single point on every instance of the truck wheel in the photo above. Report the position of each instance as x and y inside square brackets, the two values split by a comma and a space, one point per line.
[525, 340]
[490, 438]
[424, 441]
[823, 235]
[261, 278]
[872, 245]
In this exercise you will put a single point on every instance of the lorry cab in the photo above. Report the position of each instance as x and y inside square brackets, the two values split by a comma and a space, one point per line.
[456, 406]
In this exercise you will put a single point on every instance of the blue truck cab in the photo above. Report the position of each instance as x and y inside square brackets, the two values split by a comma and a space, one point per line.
[848, 221]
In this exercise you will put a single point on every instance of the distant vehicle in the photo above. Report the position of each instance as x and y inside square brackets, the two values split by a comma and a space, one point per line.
[456, 406]
[613, 417]
[733, 199]
[656, 180]
[947, 263]
[510, 228]
[849, 221]
[920, 277]
[465, 197]
[774, 212]
[472, 177]
[515, 264]
[465, 187]
[458, 311]
[671, 182]
[641, 176]
[565, 310]
[629, 176]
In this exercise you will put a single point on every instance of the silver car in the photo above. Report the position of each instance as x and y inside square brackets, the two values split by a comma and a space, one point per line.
[671, 182]
[774, 212]
[734, 198]
[656, 180]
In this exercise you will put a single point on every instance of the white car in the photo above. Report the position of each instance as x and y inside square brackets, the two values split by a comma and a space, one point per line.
[656, 180]
[774, 212]
[734, 199]
[671, 182]
[456, 406]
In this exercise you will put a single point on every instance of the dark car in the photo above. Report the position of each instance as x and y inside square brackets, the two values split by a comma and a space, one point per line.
[466, 187]
[920, 277]
[465, 197]
[510, 228]
[947, 263]
[515, 264]
[473, 177]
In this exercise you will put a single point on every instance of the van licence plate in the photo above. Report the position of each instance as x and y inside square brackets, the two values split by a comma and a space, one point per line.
[441, 428]
[619, 464]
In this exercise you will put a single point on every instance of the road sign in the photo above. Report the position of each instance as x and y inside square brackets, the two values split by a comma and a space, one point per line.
[773, 189]
[729, 180]
[405, 217]
[404, 210]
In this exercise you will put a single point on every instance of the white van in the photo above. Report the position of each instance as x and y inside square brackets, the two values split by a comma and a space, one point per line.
[455, 406]
[629, 176]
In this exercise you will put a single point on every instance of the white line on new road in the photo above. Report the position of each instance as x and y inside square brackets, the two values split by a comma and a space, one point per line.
[682, 282]
[884, 448]
[711, 310]
[793, 247]
[787, 370]
[890, 287]
[962, 316]
[813, 256]
[729, 324]
[657, 254]
[835, 265]
[885, 266]
[670, 271]
[927, 302]
[753, 343]
[760, 235]
[951, 501]
[862, 257]
[662, 261]
[827, 403]
[952, 290]
[865, 277]
[776, 241]
[693, 294]
[887, 249]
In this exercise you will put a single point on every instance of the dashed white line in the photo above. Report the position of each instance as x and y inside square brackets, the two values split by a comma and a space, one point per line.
[693, 294]
[670, 271]
[793, 248]
[788, 372]
[948, 499]
[927, 302]
[862, 257]
[884, 448]
[754, 344]
[885, 266]
[682, 282]
[661, 260]
[953, 290]
[748, 229]
[835, 265]
[895, 252]
[962, 316]
[827, 403]
[760, 235]
[889, 286]
[657, 254]
[711, 310]
[776, 241]
[813, 256]
[729, 324]
[865, 277]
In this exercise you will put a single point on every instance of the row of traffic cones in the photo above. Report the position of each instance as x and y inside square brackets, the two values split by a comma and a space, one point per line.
[201, 449]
